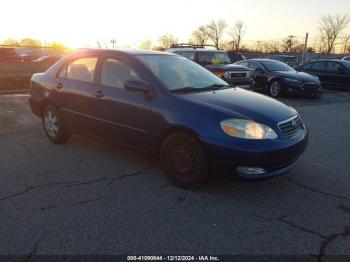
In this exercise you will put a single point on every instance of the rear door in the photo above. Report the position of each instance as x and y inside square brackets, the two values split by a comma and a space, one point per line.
[318, 68]
[123, 116]
[337, 74]
[72, 94]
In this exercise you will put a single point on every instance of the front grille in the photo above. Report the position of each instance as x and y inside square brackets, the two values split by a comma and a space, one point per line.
[233, 75]
[291, 126]
[237, 74]
[309, 87]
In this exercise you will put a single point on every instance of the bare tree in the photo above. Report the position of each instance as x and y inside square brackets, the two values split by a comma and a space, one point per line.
[330, 28]
[30, 42]
[10, 42]
[237, 33]
[346, 44]
[271, 46]
[146, 45]
[200, 36]
[166, 40]
[216, 32]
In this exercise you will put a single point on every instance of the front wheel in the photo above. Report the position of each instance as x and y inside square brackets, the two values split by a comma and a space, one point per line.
[53, 125]
[184, 160]
[276, 89]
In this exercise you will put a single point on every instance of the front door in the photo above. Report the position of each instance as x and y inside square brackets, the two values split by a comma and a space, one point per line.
[124, 116]
[259, 75]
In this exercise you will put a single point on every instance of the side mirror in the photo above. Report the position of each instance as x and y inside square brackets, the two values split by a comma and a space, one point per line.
[137, 86]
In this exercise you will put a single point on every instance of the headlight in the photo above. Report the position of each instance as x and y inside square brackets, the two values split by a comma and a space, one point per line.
[292, 80]
[220, 74]
[247, 129]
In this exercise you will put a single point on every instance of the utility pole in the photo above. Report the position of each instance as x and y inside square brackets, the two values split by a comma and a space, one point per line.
[305, 47]
[290, 42]
[113, 41]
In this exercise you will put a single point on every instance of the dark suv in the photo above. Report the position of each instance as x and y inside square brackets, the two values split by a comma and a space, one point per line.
[216, 61]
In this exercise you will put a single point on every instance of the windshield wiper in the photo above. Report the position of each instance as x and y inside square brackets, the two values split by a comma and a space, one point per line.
[185, 89]
[214, 87]
[198, 89]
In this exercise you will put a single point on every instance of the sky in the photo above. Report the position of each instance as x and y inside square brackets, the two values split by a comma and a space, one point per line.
[81, 23]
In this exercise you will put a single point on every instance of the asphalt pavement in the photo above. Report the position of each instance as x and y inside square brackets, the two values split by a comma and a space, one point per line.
[90, 197]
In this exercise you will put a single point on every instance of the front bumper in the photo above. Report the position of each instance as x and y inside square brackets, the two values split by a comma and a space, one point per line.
[242, 83]
[304, 89]
[276, 157]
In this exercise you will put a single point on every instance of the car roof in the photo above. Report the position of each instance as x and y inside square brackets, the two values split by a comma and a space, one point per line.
[121, 51]
[328, 60]
[195, 50]
[261, 60]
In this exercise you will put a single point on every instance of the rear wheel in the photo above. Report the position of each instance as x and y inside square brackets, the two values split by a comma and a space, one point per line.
[276, 88]
[53, 125]
[184, 160]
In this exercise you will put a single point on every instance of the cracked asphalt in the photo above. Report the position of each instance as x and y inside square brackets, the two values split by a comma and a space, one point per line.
[89, 197]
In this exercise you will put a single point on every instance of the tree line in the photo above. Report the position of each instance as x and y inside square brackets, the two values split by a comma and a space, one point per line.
[331, 33]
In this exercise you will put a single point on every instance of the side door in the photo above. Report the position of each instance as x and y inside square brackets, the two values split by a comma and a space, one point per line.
[122, 116]
[259, 75]
[318, 68]
[72, 94]
[337, 74]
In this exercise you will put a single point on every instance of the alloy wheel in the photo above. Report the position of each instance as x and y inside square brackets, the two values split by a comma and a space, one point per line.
[51, 126]
[275, 89]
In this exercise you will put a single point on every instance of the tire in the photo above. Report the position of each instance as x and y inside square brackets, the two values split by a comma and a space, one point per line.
[53, 125]
[276, 89]
[184, 160]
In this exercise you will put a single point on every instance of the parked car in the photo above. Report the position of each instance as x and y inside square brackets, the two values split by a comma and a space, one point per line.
[28, 57]
[9, 55]
[332, 73]
[279, 79]
[44, 62]
[47, 59]
[165, 104]
[216, 61]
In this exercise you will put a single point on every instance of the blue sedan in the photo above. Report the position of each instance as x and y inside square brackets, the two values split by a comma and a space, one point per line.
[165, 104]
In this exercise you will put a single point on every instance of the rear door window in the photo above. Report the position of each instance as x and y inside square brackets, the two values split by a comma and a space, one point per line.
[333, 66]
[318, 66]
[82, 69]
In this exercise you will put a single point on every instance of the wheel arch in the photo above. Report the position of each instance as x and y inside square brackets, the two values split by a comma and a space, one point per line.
[174, 129]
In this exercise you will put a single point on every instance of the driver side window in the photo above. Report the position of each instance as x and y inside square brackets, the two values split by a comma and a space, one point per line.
[115, 73]
[255, 66]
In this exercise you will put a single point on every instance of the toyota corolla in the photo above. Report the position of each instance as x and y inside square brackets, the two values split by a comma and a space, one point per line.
[165, 104]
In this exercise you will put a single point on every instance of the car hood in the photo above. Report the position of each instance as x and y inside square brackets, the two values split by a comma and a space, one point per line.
[229, 67]
[237, 102]
[301, 76]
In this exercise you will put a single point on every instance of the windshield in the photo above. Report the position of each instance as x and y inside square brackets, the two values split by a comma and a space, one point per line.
[176, 72]
[215, 58]
[276, 66]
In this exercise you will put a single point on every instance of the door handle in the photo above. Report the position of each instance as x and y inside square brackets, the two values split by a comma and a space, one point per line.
[58, 85]
[98, 94]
